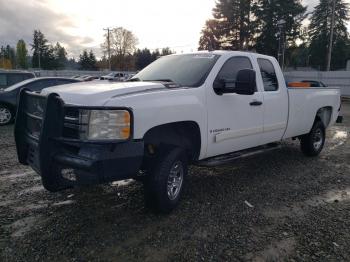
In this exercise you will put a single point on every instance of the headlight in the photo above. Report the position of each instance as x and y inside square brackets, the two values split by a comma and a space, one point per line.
[105, 124]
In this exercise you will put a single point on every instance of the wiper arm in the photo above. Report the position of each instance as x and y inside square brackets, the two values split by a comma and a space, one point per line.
[172, 84]
[134, 80]
[163, 80]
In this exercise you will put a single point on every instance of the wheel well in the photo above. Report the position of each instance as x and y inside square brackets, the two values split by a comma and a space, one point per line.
[184, 134]
[324, 114]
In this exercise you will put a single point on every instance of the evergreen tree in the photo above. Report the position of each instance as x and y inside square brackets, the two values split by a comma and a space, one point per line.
[40, 49]
[267, 14]
[211, 36]
[22, 52]
[231, 27]
[84, 61]
[319, 31]
[87, 61]
[143, 58]
[166, 51]
[92, 60]
[60, 54]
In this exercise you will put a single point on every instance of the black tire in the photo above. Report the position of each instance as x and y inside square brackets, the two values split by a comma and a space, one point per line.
[158, 195]
[312, 143]
[6, 115]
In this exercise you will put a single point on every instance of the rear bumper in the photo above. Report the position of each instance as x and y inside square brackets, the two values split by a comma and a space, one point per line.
[64, 163]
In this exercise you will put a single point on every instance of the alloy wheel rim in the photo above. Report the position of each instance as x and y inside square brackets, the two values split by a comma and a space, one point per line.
[5, 115]
[175, 180]
[318, 139]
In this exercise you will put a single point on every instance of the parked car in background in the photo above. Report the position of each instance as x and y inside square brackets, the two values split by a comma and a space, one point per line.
[314, 83]
[130, 76]
[9, 78]
[115, 77]
[8, 96]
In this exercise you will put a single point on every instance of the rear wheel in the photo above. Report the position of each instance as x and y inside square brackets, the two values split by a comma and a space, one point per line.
[165, 181]
[6, 115]
[312, 143]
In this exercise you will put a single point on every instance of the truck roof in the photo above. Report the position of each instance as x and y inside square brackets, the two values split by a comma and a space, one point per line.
[229, 53]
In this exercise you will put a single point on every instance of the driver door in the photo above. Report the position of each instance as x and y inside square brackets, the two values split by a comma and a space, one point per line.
[235, 122]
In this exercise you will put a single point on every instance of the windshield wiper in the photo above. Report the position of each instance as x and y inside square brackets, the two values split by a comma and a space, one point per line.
[161, 80]
[166, 82]
[134, 80]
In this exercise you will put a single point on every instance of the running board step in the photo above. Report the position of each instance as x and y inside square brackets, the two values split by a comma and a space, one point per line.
[231, 157]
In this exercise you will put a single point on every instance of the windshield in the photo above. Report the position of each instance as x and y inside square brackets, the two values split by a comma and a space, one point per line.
[188, 70]
[20, 84]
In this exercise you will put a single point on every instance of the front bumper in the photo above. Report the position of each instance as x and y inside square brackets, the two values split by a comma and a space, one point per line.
[65, 162]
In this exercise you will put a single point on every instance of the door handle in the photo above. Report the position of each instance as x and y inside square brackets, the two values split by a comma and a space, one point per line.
[256, 103]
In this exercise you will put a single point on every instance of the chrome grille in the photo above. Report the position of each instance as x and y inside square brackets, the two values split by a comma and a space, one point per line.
[71, 126]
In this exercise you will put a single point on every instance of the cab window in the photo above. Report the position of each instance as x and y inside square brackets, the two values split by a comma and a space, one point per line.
[231, 67]
[41, 84]
[3, 80]
[15, 78]
[268, 74]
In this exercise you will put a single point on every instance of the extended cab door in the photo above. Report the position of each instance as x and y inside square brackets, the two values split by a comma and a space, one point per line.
[271, 80]
[235, 122]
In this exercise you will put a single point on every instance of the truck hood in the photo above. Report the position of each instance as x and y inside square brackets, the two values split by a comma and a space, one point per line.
[97, 93]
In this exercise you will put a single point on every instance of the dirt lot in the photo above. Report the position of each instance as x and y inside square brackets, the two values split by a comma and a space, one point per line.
[300, 212]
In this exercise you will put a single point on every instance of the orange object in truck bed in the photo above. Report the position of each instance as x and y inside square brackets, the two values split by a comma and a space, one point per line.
[299, 84]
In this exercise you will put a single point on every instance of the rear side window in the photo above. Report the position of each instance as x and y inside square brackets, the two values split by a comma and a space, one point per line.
[268, 74]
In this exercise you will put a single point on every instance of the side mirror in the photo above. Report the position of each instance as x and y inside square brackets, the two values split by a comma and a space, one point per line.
[246, 82]
[220, 86]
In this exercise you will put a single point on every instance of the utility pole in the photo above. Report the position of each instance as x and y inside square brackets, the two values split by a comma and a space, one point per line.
[282, 42]
[109, 47]
[39, 59]
[330, 46]
[3, 59]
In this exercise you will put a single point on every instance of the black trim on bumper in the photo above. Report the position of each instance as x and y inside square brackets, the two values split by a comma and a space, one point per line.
[51, 155]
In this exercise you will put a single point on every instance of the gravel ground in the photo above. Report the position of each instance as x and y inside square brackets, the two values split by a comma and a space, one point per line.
[297, 209]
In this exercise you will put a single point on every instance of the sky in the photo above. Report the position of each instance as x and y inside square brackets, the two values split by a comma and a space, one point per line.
[79, 24]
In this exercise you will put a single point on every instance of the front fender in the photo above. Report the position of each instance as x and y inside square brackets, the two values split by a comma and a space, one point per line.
[164, 107]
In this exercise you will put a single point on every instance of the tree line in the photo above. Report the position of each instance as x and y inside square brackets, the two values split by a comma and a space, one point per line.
[253, 25]
[124, 54]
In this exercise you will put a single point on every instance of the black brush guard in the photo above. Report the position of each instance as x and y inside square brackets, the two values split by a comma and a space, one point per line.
[40, 143]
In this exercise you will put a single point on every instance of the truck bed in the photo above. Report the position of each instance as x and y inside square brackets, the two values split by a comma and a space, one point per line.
[304, 103]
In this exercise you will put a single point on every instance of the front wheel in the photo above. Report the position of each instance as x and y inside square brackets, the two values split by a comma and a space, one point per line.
[312, 143]
[165, 181]
[6, 115]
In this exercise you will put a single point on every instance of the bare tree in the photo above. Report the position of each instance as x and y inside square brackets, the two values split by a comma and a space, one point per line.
[122, 45]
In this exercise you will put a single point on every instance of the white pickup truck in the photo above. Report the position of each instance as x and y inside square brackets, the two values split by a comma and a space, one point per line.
[205, 108]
